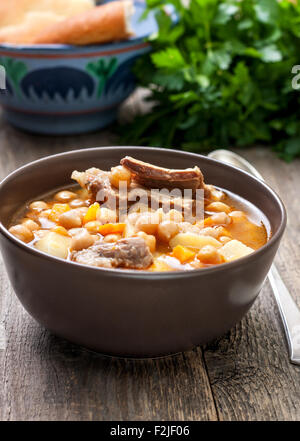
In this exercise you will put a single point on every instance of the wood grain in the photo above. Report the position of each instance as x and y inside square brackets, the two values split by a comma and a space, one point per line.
[249, 370]
[245, 375]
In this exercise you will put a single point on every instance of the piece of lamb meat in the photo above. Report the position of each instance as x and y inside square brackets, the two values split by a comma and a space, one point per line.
[150, 175]
[93, 180]
[126, 253]
[97, 183]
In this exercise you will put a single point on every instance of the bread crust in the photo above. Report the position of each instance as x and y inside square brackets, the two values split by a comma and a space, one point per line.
[34, 23]
[23, 20]
[13, 12]
[105, 23]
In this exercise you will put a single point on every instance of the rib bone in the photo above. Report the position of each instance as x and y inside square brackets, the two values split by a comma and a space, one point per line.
[152, 176]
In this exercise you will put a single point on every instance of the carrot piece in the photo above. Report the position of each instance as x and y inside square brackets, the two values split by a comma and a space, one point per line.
[183, 254]
[111, 229]
[57, 210]
[91, 214]
[208, 222]
[60, 230]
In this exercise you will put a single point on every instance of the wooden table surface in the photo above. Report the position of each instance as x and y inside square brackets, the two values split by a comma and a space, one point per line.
[245, 375]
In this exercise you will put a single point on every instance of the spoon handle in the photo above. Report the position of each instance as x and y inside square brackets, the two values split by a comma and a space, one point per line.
[290, 313]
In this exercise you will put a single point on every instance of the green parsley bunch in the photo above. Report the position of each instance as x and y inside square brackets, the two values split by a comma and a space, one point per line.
[221, 76]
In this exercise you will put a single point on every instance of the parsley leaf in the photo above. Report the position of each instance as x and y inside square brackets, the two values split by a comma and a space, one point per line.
[221, 76]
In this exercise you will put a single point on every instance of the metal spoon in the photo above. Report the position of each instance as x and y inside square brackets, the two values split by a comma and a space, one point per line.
[290, 314]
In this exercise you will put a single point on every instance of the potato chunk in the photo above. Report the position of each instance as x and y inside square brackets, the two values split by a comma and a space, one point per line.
[234, 250]
[193, 241]
[54, 244]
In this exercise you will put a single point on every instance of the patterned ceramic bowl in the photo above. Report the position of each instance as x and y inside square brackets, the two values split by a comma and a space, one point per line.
[62, 89]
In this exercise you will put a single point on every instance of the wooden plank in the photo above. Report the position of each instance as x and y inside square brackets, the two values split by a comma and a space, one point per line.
[46, 378]
[249, 369]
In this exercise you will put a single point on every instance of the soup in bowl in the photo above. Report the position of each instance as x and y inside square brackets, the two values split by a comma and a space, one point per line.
[141, 216]
[137, 251]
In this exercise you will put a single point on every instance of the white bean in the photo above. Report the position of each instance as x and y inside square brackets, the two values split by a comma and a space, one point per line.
[38, 206]
[82, 240]
[71, 219]
[147, 222]
[109, 238]
[218, 207]
[166, 230]
[149, 239]
[64, 196]
[21, 232]
[106, 216]
[119, 174]
[30, 224]
[221, 219]
[174, 215]
[209, 254]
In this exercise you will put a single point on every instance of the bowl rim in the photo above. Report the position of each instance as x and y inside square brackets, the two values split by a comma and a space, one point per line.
[132, 273]
[70, 48]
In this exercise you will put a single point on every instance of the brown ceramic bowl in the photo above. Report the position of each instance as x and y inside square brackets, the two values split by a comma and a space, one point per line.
[131, 313]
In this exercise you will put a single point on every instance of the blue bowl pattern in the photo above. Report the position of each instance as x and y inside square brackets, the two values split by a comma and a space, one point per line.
[63, 89]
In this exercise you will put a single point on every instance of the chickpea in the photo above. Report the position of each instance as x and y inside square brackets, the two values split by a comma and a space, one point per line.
[38, 206]
[209, 254]
[238, 216]
[30, 224]
[221, 219]
[45, 213]
[215, 232]
[33, 215]
[71, 219]
[218, 207]
[147, 222]
[74, 231]
[210, 231]
[21, 232]
[174, 215]
[186, 227]
[82, 211]
[225, 239]
[77, 203]
[149, 239]
[120, 174]
[93, 226]
[166, 230]
[162, 215]
[65, 196]
[109, 238]
[82, 240]
[106, 216]
[215, 194]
